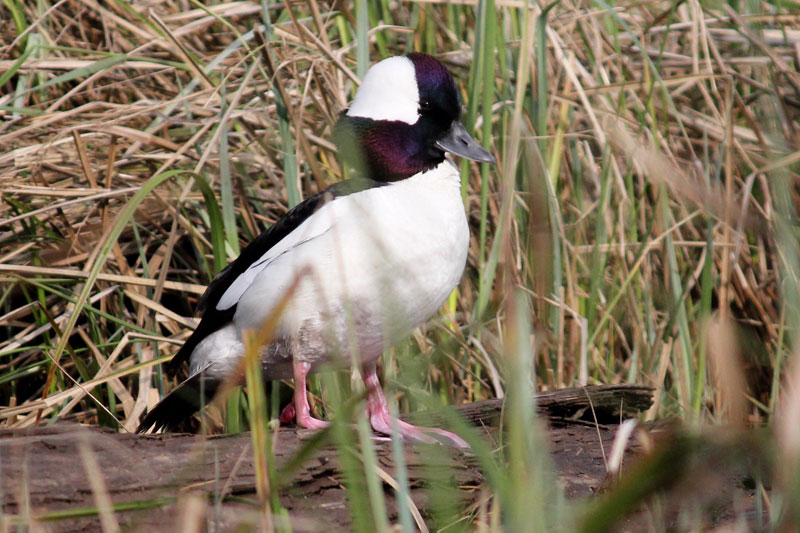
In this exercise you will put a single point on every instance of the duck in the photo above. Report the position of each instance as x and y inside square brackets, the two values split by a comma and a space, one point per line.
[364, 262]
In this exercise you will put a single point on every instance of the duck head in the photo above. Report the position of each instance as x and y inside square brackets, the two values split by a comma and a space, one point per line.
[405, 116]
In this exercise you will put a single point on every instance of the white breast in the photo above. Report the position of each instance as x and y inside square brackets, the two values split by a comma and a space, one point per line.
[385, 262]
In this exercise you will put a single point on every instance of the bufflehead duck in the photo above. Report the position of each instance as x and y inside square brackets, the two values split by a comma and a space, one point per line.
[373, 257]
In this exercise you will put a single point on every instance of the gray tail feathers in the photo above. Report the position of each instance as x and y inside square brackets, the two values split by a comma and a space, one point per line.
[180, 404]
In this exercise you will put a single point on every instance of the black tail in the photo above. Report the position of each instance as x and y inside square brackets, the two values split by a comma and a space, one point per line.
[180, 404]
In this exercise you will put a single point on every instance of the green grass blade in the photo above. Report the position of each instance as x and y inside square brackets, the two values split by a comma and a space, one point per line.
[226, 187]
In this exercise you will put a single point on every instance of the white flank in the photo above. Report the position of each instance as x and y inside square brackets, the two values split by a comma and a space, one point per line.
[389, 92]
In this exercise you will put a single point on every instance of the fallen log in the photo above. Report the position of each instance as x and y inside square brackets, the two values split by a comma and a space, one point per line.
[66, 475]
[604, 404]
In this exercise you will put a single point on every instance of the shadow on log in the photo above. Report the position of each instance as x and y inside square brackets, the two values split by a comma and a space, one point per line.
[60, 475]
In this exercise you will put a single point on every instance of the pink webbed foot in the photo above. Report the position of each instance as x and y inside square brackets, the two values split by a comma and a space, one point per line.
[287, 414]
[299, 410]
[383, 422]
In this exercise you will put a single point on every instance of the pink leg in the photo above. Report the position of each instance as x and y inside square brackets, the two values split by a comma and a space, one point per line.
[383, 422]
[299, 409]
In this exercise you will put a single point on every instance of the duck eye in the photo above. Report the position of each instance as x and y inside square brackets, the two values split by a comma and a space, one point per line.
[424, 105]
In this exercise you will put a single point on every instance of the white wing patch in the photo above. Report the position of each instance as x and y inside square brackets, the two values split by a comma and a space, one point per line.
[317, 224]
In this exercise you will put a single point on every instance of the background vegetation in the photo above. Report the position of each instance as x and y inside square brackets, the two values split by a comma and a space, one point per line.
[640, 225]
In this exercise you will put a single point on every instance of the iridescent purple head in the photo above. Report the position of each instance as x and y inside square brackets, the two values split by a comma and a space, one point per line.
[404, 117]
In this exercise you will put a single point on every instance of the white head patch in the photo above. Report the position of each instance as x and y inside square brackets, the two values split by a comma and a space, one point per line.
[389, 92]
